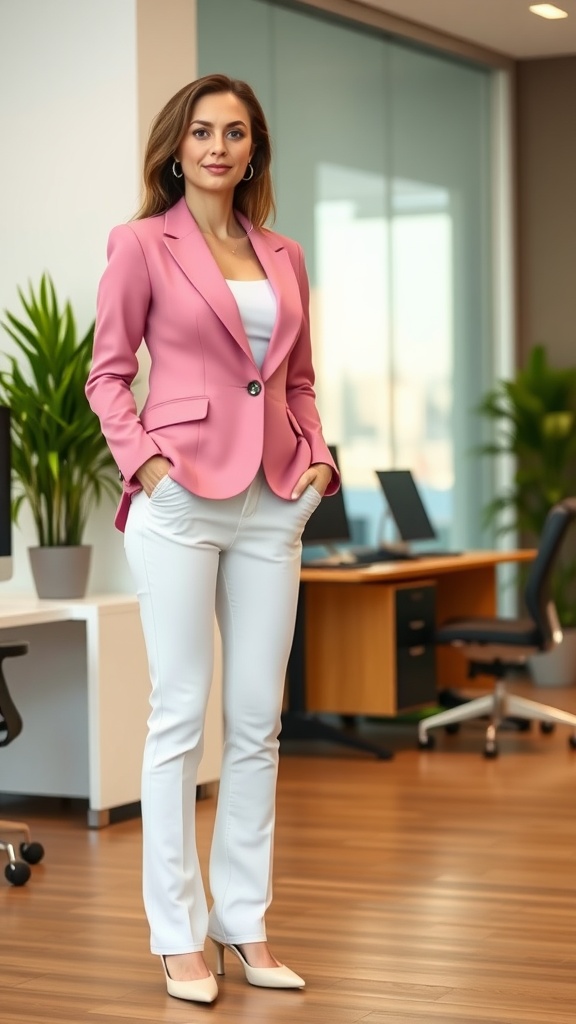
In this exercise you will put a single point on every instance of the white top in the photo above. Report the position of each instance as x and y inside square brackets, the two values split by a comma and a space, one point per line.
[257, 305]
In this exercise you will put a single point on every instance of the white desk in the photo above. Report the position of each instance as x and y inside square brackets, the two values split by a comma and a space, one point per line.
[82, 691]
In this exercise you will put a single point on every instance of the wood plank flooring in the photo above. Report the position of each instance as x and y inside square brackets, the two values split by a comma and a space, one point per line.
[437, 887]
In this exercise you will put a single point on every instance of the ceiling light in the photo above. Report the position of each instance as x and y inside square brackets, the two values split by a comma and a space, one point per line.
[548, 11]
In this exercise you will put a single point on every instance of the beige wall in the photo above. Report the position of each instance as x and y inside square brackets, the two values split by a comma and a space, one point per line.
[166, 55]
[546, 162]
[165, 61]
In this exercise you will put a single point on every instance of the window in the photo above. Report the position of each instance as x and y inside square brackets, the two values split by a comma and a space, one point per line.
[383, 173]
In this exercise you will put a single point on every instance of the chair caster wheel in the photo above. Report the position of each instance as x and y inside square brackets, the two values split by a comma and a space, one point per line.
[32, 852]
[452, 729]
[17, 872]
[490, 750]
[426, 744]
[572, 742]
[547, 727]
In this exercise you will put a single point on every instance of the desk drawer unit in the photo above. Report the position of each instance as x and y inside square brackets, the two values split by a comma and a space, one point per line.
[415, 652]
[369, 647]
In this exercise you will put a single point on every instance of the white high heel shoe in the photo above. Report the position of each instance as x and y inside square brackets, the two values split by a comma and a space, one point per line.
[202, 990]
[263, 977]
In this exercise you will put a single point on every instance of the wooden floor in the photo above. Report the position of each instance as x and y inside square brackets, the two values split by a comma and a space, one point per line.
[436, 887]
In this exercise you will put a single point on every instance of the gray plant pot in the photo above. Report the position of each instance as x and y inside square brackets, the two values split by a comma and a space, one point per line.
[558, 666]
[61, 571]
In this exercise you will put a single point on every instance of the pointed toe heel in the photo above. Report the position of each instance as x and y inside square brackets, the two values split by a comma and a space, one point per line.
[203, 990]
[262, 977]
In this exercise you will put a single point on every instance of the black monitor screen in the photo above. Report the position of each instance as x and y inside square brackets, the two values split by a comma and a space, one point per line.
[5, 529]
[405, 504]
[328, 524]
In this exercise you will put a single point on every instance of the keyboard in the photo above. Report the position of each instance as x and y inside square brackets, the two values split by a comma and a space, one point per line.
[357, 559]
[374, 556]
[380, 555]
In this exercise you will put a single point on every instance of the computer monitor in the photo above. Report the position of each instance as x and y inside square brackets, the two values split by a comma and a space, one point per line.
[5, 517]
[328, 524]
[406, 505]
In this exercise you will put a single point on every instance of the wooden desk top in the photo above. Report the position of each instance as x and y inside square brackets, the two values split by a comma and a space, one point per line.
[415, 568]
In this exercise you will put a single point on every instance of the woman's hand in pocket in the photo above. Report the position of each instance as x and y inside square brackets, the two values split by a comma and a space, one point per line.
[319, 475]
[152, 472]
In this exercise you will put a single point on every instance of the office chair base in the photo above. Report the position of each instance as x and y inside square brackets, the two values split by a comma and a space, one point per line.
[17, 872]
[499, 705]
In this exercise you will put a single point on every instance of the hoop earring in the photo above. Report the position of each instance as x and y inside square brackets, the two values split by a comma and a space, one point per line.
[174, 165]
[251, 175]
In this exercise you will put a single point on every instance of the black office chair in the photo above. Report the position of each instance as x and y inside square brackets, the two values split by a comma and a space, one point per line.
[496, 646]
[17, 872]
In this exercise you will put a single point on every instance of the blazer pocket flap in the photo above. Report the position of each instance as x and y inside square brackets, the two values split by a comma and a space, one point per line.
[179, 411]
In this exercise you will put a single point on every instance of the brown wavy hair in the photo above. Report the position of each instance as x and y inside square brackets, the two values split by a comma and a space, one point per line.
[254, 198]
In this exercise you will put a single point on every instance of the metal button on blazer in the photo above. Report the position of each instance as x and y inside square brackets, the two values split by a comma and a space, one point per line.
[254, 387]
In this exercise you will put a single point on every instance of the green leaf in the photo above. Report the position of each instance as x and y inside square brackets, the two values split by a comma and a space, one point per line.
[533, 419]
[60, 461]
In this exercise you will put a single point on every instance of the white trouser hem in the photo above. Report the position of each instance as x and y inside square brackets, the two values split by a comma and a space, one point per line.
[177, 952]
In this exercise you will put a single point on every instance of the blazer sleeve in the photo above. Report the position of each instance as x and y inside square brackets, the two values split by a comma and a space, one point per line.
[300, 384]
[122, 307]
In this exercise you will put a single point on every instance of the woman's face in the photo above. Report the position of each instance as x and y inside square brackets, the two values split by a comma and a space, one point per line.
[217, 147]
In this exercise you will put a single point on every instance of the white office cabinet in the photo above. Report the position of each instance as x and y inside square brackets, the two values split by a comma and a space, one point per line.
[82, 691]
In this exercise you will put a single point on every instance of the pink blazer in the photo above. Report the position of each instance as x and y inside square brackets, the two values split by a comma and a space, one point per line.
[209, 410]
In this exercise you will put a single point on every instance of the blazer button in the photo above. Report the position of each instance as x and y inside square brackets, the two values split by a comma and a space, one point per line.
[254, 387]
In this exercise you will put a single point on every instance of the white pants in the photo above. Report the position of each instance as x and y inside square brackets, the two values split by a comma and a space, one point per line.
[190, 557]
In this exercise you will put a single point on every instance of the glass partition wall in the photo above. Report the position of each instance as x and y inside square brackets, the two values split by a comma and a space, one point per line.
[382, 165]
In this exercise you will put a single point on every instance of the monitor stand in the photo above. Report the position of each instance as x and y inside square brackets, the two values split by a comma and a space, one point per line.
[396, 543]
[299, 724]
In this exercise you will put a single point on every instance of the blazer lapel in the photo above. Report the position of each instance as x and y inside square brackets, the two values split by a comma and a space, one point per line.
[280, 272]
[186, 244]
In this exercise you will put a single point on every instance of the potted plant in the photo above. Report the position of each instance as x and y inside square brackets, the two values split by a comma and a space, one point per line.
[534, 420]
[61, 465]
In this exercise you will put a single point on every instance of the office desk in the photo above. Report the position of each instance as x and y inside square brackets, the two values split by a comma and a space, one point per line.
[350, 626]
[82, 691]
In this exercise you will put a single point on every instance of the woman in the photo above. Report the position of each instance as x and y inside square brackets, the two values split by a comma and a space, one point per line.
[221, 470]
